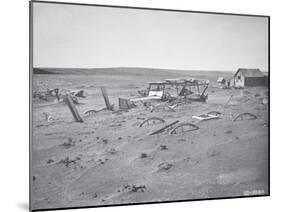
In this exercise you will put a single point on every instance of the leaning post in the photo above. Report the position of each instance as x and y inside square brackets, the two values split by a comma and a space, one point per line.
[106, 99]
[73, 109]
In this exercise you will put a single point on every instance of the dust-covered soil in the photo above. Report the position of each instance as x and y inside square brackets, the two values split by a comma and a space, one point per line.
[108, 159]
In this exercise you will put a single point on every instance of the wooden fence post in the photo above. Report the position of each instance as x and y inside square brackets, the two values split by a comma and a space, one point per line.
[73, 109]
[105, 96]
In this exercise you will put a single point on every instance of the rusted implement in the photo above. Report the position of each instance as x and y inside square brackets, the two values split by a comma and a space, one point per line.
[164, 128]
[152, 120]
[200, 97]
[125, 104]
[106, 99]
[245, 116]
[73, 110]
[90, 112]
[184, 127]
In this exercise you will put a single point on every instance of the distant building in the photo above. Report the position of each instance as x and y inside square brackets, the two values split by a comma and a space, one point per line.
[249, 77]
[221, 81]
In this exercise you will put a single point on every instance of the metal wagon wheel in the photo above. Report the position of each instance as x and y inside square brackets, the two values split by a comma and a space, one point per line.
[245, 116]
[152, 120]
[181, 128]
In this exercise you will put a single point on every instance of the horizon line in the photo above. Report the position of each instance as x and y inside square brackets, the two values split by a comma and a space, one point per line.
[141, 67]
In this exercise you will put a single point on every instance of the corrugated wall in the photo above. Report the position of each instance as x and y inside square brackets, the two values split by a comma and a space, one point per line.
[255, 81]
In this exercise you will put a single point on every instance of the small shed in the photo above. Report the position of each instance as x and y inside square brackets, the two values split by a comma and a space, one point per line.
[248, 77]
[221, 81]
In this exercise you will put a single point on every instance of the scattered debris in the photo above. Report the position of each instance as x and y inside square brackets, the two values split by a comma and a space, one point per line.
[50, 161]
[67, 161]
[143, 155]
[165, 166]
[245, 116]
[152, 120]
[79, 93]
[164, 128]
[69, 143]
[212, 154]
[205, 117]
[184, 127]
[163, 147]
[105, 141]
[100, 162]
[112, 151]
[57, 94]
[86, 133]
[47, 94]
[163, 107]
[134, 188]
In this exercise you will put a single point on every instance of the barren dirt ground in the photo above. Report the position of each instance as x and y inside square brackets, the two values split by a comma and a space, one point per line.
[109, 159]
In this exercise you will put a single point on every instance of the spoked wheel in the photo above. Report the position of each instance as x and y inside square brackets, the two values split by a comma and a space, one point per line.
[151, 121]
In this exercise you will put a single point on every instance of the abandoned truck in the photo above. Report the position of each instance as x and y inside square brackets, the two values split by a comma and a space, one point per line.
[170, 89]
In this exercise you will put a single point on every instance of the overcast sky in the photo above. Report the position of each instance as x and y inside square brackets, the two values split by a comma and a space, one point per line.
[91, 37]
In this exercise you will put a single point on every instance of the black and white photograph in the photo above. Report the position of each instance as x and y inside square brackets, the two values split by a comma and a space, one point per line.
[136, 105]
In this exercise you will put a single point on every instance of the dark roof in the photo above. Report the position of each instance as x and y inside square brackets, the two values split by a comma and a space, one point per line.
[249, 72]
